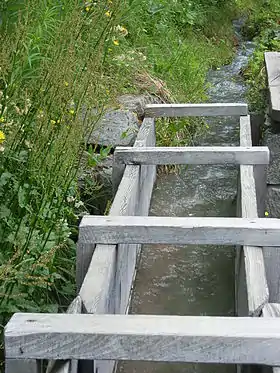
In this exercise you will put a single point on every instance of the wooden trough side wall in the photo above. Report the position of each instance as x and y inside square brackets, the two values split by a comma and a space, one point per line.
[251, 283]
[108, 281]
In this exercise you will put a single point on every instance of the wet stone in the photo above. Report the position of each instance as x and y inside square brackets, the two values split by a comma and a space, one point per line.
[115, 128]
[273, 202]
[272, 140]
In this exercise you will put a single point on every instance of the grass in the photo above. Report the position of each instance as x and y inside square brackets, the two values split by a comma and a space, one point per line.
[59, 60]
[262, 26]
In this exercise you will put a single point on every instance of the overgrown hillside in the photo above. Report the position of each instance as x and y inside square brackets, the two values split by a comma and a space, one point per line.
[58, 60]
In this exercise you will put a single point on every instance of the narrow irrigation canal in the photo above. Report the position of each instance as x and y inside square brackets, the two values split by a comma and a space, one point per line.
[195, 280]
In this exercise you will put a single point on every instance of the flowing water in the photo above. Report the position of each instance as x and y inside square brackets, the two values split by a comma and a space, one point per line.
[195, 280]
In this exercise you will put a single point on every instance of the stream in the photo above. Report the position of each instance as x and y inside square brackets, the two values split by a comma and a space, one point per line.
[195, 280]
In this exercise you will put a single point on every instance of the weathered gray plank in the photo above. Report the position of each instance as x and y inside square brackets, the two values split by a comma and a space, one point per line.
[192, 155]
[107, 285]
[256, 283]
[274, 95]
[272, 61]
[83, 257]
[184, 110]
[144, 337]
[272, 310]
[68, 366]
[181, 230]
[23, 366]
[272, 265]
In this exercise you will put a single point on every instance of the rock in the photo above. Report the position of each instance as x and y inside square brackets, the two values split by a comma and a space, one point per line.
[115, 128]
[95, 185]
[273, 202]
[272, 140]
[137, 103]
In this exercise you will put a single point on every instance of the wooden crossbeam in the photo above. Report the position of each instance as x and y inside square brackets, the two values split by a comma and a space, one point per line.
[144, 337]
[192, 155]
[201, 110]
[174, 230]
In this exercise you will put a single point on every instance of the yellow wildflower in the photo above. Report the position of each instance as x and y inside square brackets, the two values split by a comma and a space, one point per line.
[87, 9]
[53, 122]
[58, 121]
[108, 14]
[266, 213]
[2, 137]
[116, 42]
[2, 119]
[66, 84]
[72, 112]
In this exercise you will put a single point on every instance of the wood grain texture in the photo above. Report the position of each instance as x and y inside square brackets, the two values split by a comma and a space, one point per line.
[272, 310]
[67, 366]
[181, 230]
[272, 265]
[272, 60]
[256, 282]
[144, 337]
[84, 252]
[272, 63]
[192, 155]
[186, 110]
[107, 285]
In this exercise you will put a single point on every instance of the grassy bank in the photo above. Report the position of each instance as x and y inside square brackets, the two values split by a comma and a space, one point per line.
[57, 61]
[263, 27]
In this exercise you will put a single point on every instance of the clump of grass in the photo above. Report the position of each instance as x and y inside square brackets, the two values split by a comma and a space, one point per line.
[170, 46]
[52, 70]
[262, 25]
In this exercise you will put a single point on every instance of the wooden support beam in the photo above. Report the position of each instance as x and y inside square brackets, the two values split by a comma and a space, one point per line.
[67, 366]
[272, 310]
[256, 282]
[108, 277]
[144, 337]
[272, 61]
[200, 110]
[174, 230]
[192, 155]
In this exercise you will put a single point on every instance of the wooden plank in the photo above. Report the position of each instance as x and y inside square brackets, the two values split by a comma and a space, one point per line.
[84, 254]
[272, 310]
[274, 96]
[144, 337]
[181, 230]
[201, 110]
[67, 366]
[192, 155]
[107, 285]
[272, 61]
[272, 265]
[256, 283]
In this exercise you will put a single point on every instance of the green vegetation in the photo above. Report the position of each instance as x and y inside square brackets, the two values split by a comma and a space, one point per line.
[263, 26]
[59, 60]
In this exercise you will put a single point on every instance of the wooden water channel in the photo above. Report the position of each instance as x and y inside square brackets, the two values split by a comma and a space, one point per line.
[97, 332]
